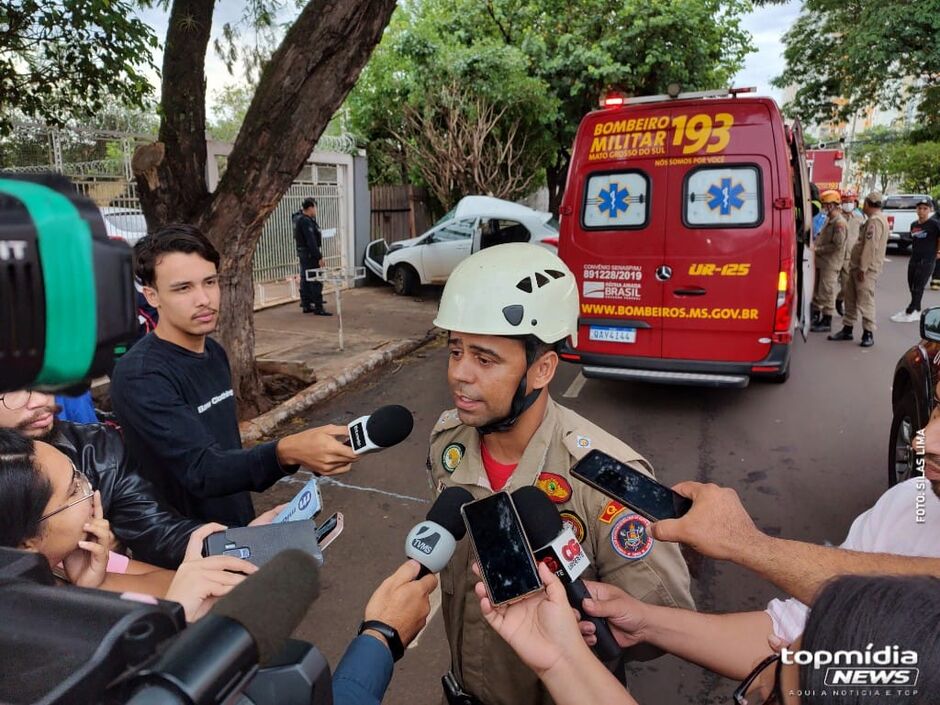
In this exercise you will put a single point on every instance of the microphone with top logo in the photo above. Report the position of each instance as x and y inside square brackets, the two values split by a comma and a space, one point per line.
[434, 540]
[384, 428]
[563, 554]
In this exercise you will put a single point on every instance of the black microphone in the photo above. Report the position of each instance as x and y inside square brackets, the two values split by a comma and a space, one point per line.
[434, 540]
[563, 554]
[214, 659]
[384, 428]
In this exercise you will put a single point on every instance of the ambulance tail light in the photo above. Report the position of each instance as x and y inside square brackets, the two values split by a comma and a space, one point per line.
[553, 241]
[783, 317]
[613, 99]
[570, 357]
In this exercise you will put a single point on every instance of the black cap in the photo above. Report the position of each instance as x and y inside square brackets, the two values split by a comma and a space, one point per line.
[540, 520]
[924, 202]
[389, 425]
[446, 510]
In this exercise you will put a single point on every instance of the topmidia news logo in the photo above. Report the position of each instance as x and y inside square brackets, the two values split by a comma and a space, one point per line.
[889, 666]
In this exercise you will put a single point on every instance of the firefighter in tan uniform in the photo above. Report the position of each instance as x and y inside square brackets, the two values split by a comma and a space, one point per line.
[854, 221]
[868, 258]
[830, 254]
[506, 308]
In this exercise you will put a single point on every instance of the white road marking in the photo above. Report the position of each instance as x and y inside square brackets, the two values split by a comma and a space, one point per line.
[576, 386]
[301, 477]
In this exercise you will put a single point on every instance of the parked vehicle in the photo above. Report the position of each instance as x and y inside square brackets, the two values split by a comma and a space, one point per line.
[901, 211]
[476, 222]
[825, 168]
[685, 219]
[127, 224]
[913, 396]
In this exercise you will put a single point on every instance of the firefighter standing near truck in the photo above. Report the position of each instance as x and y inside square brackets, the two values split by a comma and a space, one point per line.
[506, 310]
[830, 255]
[868, 258]
[854, 220]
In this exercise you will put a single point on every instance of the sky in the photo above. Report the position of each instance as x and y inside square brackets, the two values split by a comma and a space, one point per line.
[766, 25]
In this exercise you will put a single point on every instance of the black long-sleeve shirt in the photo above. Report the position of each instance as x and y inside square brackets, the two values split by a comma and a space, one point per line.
[307, 235]
[177, 409]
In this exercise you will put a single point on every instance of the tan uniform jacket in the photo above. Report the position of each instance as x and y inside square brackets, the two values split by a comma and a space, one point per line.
[482, 661]
[868, 255]
[830, 245]
[854, 223]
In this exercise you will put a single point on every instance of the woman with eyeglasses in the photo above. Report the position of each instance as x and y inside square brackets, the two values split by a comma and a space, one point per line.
[47, 506]
[864, 618]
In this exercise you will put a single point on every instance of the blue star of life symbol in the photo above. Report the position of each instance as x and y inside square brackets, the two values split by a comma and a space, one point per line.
[614, 199]
[725, 196]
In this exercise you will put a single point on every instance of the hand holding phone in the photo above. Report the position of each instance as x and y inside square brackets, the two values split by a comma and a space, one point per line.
[630, 487]
[502, 549]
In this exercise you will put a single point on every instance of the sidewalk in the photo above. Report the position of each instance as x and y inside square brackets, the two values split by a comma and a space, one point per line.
[377, 326]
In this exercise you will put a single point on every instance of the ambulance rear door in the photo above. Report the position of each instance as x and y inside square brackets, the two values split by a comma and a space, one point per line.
[617, 244]
[722, 244]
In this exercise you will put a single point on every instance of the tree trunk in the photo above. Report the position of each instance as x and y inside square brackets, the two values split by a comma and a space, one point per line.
[302, 86]
[556, 175]
[171, 175]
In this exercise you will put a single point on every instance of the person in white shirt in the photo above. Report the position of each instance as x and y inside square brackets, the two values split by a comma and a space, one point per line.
[899, 535]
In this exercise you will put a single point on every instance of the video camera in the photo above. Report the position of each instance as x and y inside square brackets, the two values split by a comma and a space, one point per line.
[67, 299]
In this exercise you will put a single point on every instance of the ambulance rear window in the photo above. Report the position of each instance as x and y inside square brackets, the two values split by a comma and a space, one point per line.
[617, 200]
[722, 197]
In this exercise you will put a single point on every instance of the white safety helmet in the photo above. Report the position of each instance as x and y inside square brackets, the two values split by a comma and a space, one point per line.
[514, 289]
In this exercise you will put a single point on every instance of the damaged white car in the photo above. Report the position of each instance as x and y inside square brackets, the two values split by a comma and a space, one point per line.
[476, 222]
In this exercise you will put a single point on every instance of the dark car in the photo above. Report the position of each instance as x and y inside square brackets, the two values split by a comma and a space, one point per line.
[913, 396]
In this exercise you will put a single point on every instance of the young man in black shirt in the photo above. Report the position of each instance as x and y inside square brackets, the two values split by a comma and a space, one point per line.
[925, 235]
[172, 393]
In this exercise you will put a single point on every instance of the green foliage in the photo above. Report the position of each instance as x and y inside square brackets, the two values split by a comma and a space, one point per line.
[865, 52]
[62, 59]
[552, 60]
[892, 157]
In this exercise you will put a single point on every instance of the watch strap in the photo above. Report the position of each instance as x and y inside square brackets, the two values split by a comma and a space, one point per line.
[390, 634]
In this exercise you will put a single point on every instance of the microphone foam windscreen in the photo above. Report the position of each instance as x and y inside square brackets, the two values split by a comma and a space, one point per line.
[272, 602]
[540, 519]
[446, 510]
[389, 425]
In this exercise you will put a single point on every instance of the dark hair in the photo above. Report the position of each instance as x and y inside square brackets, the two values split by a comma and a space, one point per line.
[308, 203]
[24, 489]
[885, 611]
[171, 238]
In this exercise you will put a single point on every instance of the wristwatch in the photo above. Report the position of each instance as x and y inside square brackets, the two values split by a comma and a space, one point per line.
[390, 634]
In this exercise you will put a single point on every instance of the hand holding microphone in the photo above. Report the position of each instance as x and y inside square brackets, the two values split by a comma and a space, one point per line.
[319, 449]
[383, 428]
[560, 550]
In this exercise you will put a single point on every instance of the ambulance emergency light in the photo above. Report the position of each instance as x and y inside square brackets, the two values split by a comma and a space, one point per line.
[66, 290]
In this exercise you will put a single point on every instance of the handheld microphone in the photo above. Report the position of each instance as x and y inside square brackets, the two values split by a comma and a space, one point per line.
[563, 554]
[434, 540]
[384, 428]
[215, 658]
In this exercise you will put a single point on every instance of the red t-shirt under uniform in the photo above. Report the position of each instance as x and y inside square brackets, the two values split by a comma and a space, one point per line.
[497, 473]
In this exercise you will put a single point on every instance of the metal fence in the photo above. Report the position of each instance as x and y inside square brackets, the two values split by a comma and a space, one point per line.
[99, 164]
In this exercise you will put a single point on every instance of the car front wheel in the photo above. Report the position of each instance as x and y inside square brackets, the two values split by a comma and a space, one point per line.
[404, 281]
[904, 425]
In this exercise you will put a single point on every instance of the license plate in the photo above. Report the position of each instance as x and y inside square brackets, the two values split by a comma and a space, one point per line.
[610, 334]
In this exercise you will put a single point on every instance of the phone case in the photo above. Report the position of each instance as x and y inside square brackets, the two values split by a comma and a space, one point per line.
[259, 544]
[486, 584]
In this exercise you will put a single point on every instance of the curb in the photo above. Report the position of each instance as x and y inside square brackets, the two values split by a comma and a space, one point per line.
[260, 426]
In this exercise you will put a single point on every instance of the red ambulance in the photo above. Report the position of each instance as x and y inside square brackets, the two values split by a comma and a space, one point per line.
[683, 221]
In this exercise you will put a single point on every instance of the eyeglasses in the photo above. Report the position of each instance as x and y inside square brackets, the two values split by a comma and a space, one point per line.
[757, 689]
[81, 485]
[15, 400]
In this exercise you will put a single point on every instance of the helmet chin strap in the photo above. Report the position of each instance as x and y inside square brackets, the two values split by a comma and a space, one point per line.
[520, 400]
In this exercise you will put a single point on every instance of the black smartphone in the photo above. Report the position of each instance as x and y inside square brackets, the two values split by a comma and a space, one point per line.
[501, 547]
[640, 492]
[259, 544]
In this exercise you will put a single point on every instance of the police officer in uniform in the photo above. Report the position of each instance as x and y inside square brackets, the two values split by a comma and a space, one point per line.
[506, 308]
[853, 219]
[868, 258]
[830, 254]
